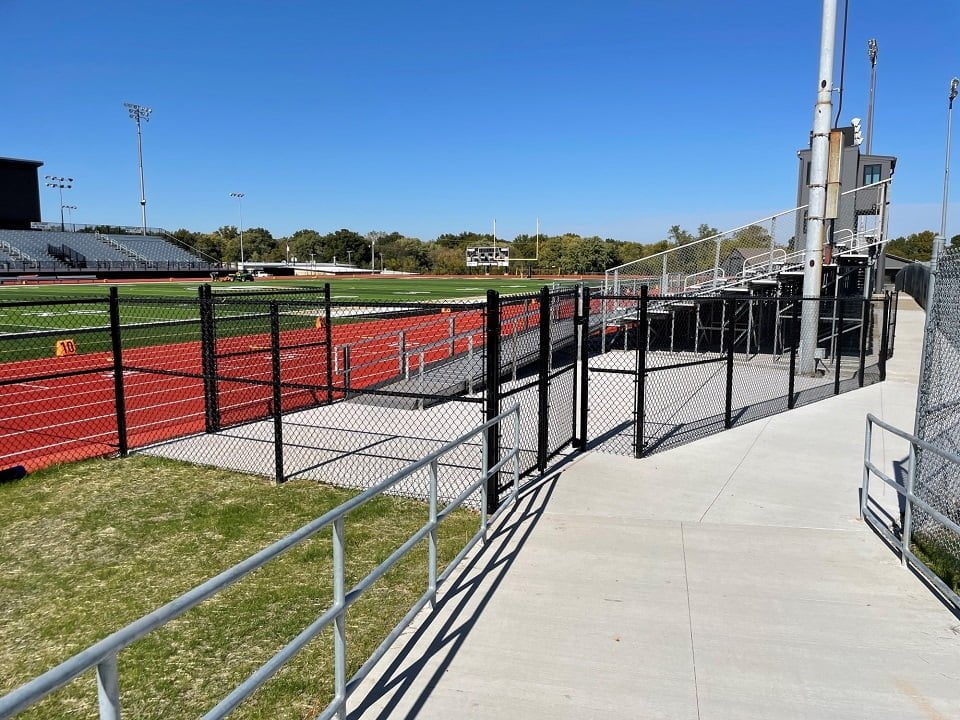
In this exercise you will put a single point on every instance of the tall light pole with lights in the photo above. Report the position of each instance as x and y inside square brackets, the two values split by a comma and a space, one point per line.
[69, 209]
[140, 113]
[61, 184]
[872, 54]
[240, 196]
[936, 251]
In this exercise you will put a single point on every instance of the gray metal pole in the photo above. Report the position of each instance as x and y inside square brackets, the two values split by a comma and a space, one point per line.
[143, 195]
[816, 225]
[936, 251]
[872, 54]
[946, 165]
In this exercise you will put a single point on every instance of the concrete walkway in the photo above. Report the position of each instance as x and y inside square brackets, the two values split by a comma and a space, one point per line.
[725, 579]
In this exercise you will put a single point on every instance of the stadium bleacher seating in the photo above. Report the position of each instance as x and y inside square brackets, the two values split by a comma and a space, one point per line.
[22, 250]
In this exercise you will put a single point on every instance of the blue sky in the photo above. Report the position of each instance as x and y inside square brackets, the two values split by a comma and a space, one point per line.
[609, 118]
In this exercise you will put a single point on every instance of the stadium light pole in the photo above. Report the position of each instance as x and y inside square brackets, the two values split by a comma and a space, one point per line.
[872, 54]
[816, 220]
[935, 252]
[240, 196]
[138, 113]
[952, 95]
[61, 183]
[70, 209]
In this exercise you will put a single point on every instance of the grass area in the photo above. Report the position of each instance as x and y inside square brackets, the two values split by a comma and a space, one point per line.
[940, 559]
[87, 548]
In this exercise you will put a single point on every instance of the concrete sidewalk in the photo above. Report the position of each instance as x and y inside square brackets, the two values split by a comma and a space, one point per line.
[727, 578]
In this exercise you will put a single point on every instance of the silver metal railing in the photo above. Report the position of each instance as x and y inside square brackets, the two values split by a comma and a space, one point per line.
[103, 655]
[906, 491]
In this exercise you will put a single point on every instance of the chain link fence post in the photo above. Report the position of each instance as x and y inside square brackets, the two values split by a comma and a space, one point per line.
[583, 372]
[640, 381]
[208, 360]
[492, 372]
[328, 340]
[118, 389]
[730, 307]
[794, 342]
[543, 380]
[866, 314]
[885, 336]
[839, 308]
[275, 370]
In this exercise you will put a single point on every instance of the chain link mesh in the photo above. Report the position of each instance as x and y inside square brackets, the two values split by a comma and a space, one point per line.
[937, 480]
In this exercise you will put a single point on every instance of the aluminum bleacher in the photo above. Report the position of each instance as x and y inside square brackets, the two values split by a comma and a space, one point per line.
[52, 250]
[152, 248]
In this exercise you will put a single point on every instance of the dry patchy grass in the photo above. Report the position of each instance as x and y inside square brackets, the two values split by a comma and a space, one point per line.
[89, 547]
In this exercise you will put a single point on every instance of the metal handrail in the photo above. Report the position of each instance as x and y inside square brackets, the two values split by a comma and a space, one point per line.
[103, 654]
[906, 491]
[725, 233]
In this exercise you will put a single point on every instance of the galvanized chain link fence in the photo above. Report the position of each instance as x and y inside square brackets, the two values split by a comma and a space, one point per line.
[937, 480]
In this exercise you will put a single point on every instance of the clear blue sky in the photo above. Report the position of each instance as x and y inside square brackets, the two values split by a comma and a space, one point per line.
[610, 118]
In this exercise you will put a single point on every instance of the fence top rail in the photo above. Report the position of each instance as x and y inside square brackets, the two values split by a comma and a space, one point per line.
[58, 676]
[736, 229]
[913, 439]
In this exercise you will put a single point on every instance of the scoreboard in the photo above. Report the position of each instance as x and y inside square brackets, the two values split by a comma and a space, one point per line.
[487, 256]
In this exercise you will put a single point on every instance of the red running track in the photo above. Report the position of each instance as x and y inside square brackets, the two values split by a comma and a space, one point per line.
[63, 419]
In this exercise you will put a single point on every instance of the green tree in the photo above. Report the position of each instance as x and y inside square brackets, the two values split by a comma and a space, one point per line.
[916, 246]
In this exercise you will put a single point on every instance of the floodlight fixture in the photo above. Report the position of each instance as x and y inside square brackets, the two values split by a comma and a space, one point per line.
[61, 184]
[953, 90]
[857, 135]
[872, 50]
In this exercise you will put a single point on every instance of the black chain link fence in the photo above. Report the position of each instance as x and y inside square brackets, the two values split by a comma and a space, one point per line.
[296, 384]
[664, 371]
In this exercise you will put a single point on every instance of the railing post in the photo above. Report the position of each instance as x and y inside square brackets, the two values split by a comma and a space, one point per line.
[731, 341]
[486, 492]
[908, 505]
[346, 370]
[470, 371]
[640, 379]
[579, 394]
[340, 622]
[865, 313]
[795, 340]
[867, 454]
[120, 403]
[452, 328]
[275, 371]
[885, 336]
[402, 353]
[839, 311]
[108, 689]
[328, 340]
[432, 555]
[543, 382]
[492, 437]
[208, 360]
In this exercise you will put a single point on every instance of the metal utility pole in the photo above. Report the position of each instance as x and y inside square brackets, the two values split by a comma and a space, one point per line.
[872, 54]
[936, 250]
[61, 183]
[816, 225]
[240, 196]
[138, 113]
[946, 166]
[69, 209]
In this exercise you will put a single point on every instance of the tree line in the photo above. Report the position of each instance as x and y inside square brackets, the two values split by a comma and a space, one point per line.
[567, 253]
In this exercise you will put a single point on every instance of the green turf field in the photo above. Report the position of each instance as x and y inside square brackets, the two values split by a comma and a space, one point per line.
[162, 313]
[361, 289]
